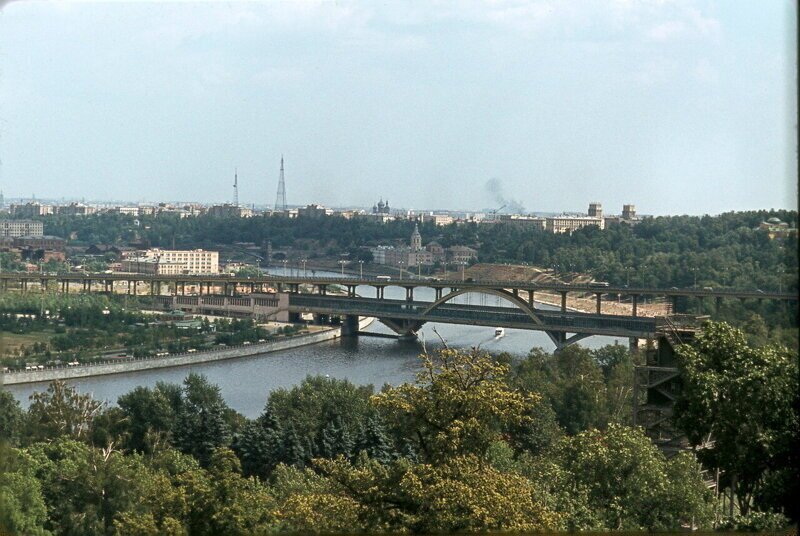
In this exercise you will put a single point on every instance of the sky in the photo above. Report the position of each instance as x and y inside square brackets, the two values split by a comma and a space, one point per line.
[676, 106]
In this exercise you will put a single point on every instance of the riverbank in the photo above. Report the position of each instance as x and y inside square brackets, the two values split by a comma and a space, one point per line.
[175, 360]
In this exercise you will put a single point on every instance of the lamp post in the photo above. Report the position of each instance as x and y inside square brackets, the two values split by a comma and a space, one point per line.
[401, 263]
[445, 270]
[419, 269]
[342, 262]
[695, 276]
[285, 262]
[304, 266]
[463, 264]
[361, 269]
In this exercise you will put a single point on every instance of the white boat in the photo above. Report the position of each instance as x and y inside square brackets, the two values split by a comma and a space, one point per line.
[499, 332]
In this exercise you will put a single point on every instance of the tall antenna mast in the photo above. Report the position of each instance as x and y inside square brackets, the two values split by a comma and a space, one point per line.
[280, 200]
[235, 187]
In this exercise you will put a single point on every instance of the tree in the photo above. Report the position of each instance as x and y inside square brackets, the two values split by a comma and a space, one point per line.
[150, 417]
[458, 405]
[22, 507]
[11, 418]
[201, 426]
[61, 411]
[88, 489]
[335, 440]
[258, 445]
[373, 439]
[741, 403]
[462, 494]
[571, 381]
[631, 485]
[319, 400]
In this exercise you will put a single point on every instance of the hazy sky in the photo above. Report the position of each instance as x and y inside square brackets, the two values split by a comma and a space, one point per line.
[676, 106]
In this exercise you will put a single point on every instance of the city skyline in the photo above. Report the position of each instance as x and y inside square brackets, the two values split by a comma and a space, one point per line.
[679, 107]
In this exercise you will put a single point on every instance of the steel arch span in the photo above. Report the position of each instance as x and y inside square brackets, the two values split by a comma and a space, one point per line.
[515, 300]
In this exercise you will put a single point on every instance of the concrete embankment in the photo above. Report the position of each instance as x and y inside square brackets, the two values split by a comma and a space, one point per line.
[175, 360]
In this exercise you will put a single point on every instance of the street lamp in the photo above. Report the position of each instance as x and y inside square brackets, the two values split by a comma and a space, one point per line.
[285, 262]
[304, 266]
[463, 264]
[361, 269]
[401, 263]
[419, 269]
[695, 276]
[342, 262]
[445, 270]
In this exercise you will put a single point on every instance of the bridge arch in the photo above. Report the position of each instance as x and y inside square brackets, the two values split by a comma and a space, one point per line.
[515, 300]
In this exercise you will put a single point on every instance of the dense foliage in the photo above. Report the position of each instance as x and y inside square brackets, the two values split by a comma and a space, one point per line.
[474, 444]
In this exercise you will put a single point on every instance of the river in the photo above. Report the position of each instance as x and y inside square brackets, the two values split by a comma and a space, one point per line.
[245, 383]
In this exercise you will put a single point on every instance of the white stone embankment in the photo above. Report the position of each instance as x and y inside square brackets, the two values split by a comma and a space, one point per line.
[174, 360]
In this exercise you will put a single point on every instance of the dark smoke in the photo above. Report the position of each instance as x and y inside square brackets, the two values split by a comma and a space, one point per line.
[495, 188]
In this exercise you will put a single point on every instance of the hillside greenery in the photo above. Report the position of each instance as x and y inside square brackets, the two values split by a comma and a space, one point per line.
[476, 443]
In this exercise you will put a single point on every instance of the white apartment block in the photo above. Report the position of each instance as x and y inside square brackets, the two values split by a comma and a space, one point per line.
[567, 224]
[194, 262]
[17, 228]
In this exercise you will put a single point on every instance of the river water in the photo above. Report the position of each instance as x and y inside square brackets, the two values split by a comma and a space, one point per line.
[245, 383]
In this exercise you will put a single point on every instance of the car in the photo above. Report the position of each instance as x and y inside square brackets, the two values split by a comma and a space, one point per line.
[674, 288]
[708, 288]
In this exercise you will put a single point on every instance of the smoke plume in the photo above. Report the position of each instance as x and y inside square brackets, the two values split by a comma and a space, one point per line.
[495, 188]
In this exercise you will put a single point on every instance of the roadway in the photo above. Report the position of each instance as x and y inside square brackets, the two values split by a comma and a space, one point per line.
[344, 281]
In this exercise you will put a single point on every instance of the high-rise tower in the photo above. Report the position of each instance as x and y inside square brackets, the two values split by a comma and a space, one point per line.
[235, 187]
[280, 200]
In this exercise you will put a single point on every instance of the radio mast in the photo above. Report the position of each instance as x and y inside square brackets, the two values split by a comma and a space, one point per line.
[280, 200]
[235, 187]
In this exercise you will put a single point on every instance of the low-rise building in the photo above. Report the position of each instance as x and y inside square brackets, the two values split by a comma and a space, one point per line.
[17, 228]
[31, 210]
[229, 211]
[568, 224]
[524, 222]
[314, 211]
[775, 228]
[150, 266]
[75, 209]
[461, 254]
[53, 243]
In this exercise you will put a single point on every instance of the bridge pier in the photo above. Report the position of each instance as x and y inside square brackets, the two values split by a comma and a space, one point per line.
[409, 293]
[563, 301]
[531, 301]
[379, 293]
[635, 304]
[407, 329]
[438, 292]
[351, 291]
[350, 326]
[599, 303]
[633, 344]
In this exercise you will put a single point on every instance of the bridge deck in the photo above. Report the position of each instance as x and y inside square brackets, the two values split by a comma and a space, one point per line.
[510, 317]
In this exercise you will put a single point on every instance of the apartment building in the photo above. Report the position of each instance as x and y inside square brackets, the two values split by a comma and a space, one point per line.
[18, 228]
[194, 262]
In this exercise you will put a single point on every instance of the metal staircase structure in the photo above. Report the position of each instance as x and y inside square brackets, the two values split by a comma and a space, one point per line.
[657, 383]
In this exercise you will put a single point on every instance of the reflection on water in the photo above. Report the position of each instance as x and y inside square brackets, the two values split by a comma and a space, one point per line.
[246, 382]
